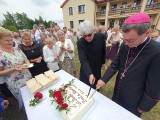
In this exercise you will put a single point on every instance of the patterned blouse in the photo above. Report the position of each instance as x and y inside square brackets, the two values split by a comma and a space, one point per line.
[15, 80]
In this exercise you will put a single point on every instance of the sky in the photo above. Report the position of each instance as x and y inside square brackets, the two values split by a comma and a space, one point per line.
[47, 9]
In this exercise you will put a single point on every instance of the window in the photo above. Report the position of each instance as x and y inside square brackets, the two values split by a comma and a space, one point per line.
[150, 2]
[102, 22]
[111, 23]
[70, 11]
[71, 24]
[81, 9]
[124, 6]
[80, 21]
[136, 3]
[121, 21]
[103, 9]
[114, 8]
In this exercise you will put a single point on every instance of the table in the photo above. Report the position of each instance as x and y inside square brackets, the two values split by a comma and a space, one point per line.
[102, 109]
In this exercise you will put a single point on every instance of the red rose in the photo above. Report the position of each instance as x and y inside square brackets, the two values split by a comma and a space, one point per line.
[64, 106]
[57, 94]
[60, 100]
[38, 95]
[62, 90]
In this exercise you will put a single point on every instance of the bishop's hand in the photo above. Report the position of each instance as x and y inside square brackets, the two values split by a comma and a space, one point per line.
[100, 83]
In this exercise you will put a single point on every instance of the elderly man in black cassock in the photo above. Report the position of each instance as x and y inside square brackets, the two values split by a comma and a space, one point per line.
[137, 85]
[92, 51]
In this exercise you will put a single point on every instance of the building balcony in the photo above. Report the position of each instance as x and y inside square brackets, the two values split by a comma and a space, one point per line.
[124, 11]
[153, 7]
[100, 14]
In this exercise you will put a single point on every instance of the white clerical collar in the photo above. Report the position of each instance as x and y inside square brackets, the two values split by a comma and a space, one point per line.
[143, 41]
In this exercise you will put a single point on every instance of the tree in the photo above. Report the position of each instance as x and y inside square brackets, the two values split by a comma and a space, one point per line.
[11, 28]
[22, 21]
[9, 20]
[17, 21]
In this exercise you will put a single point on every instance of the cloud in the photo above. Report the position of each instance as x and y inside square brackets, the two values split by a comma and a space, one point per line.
[2, 2]
[41, 2]
[47, 9]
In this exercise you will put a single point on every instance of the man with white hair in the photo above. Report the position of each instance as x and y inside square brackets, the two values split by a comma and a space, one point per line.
[92, 51]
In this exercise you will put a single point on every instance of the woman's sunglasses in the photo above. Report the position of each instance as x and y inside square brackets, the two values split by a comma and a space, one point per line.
[89, 35]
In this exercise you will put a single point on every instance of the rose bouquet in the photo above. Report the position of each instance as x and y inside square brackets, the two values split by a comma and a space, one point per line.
[60, 97]
[37, 99]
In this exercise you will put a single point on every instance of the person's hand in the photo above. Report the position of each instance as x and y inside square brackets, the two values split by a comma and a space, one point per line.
[100, 83]
[38, 60]
[139, 110]
[69, 50]
[18, 68]
[33, 60]
[60, 53]
[109, 45]
[5, 103]
[62, 48]
[113, 33]
[56, 58]
[91, 79]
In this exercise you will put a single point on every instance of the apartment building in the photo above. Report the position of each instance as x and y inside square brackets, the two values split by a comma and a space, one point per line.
[76, 11]
[108, 12]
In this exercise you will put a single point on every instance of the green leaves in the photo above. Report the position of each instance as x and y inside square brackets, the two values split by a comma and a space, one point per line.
[59, 108]
[34, 102]
[50, 93]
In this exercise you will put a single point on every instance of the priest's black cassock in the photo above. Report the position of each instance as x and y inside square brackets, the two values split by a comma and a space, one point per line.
[92, 56]
[139, 87]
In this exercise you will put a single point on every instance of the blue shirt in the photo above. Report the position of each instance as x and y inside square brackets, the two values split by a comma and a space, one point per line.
[1, 106]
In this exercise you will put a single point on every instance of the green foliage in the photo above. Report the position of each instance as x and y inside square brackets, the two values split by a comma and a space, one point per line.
[34, 102]
[51, 93]
[11, 28]
[17, 21]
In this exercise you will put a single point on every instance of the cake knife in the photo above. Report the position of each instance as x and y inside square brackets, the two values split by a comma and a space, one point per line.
[89, 90]
[94, 92]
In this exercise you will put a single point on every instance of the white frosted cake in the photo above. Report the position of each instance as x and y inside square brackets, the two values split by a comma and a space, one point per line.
[76, 99]
[42, 81]
[33, 85]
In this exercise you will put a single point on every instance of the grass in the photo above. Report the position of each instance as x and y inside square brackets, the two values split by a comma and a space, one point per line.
[107, 90]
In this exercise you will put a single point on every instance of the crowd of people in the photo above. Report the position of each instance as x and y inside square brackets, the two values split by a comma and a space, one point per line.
[40, 47]
[132, 51]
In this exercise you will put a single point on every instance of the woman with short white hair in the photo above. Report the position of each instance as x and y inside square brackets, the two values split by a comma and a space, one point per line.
[65, 52]
[50, 54]
[92, 51]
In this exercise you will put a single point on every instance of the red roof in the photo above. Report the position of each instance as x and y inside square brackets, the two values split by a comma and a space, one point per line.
[96, 1]
[101, 1]
[63, 3]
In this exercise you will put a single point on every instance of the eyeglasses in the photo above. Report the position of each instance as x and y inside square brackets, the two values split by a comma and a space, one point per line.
[129, 41]
[89, 35]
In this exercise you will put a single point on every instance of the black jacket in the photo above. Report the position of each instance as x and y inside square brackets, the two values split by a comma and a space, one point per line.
[140, 88]
[92, 56]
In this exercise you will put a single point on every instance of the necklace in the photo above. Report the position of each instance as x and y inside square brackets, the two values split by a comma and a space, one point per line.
[29, 46]
[126, 68]
[32, 50]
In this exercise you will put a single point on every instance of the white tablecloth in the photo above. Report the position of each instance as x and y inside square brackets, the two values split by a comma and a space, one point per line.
[102, 109]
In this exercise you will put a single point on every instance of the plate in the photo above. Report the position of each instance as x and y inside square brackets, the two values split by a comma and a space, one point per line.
[30, 65]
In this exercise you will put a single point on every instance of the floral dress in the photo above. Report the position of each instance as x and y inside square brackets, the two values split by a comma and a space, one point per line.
[15, 80]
